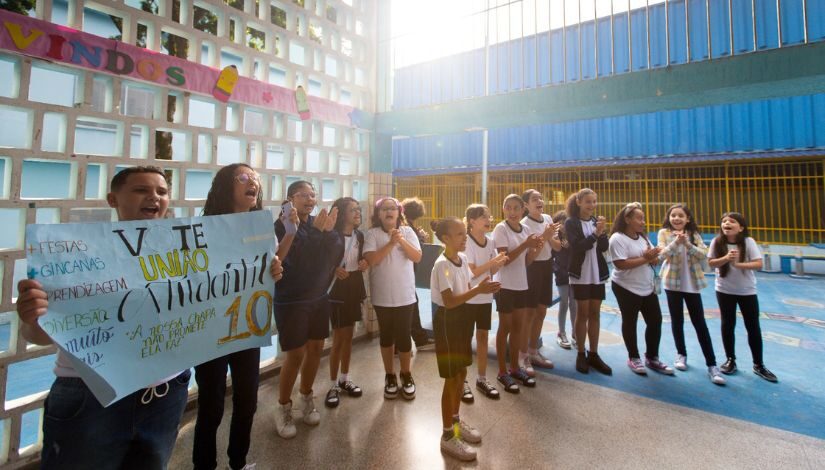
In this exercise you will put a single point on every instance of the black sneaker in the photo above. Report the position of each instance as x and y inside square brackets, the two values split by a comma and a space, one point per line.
[407, 386]
[582, 364]
[390, 386]
[489, 390]
[351, 389]
[521, 375]
[509, 383]
[597, 363]
[729, 367]
[763, 372]
[332, 399]
[467, 394]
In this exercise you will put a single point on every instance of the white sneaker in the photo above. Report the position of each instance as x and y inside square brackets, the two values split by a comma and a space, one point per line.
[249, 466]
[311, 415]
[527, 366]
[284, 423]
[457, 448]
[468, 433]
[540, 361]
[680, 362]
[716, 376]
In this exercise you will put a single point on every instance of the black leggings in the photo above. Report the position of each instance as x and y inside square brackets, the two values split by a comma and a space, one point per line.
[630, 304]
[394, 326]
[749, 306]
[697, 317]
[211, 378]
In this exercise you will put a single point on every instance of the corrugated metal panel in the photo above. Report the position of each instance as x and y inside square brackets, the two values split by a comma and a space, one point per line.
[765, 125]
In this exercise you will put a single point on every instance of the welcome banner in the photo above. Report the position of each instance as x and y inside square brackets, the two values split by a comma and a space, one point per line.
[48, 41]
[132, 303]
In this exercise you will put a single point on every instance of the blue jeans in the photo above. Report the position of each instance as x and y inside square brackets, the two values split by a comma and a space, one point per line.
[79, 433]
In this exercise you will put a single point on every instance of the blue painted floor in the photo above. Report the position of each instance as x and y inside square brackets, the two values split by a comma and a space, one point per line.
[793, 332]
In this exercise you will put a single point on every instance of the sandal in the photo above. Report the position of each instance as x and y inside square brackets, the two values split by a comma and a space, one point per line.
[332, 399]
[467, 394]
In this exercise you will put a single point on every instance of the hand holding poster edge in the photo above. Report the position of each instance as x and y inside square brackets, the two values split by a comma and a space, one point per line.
[235, 293]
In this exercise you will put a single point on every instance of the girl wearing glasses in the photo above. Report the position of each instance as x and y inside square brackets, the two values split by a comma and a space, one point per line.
[236, 188]
[312, 250]
[391, 248]
[345, 298]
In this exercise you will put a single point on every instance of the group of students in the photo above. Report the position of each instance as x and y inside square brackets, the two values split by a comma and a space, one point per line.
[320, 284]
[518, 263]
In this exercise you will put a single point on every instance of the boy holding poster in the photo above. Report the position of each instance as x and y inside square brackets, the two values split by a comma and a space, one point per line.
[138, 430]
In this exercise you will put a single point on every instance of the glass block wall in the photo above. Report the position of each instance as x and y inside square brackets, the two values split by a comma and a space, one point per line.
[66, 129]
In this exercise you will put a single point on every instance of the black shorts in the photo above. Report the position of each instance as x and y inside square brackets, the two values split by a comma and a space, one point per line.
[453, 340]
[481, 315]
[588, 291]
[394, 325]
[540, 282]
[508, 300]
[299, 322]
[344, 314]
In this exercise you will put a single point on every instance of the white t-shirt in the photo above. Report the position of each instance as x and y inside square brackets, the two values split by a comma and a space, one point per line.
[638, 280]
[738, 281]
[590, 265]
[478, 255]
[538, 228]
[350, 260]
[448, 275]
[514, 275]
[392, 281]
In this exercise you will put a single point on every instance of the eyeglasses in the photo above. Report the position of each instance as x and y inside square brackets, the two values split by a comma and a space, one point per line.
[355, 210]
[388, 209]
[245, 178]
[304, 195]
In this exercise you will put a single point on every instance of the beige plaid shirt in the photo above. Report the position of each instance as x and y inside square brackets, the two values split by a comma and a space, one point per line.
[672, 260]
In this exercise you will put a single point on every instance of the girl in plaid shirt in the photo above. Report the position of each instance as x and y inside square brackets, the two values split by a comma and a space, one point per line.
[684, 257]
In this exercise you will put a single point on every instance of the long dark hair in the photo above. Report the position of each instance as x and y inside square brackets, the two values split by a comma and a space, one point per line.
[376, 212]
[691, 229]
[219, 200]
[573, 208]
[620, 224]
[341, 203]
[721, 246]
[559, 218]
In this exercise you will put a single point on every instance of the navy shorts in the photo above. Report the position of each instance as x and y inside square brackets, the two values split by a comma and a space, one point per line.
[588, 291]
[540, 282]
[481, 315]
[508, 300]
[453, 330]
[299, 322]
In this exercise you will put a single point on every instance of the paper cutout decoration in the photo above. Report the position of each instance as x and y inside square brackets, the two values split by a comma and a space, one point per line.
[226, 83]
[302, 103]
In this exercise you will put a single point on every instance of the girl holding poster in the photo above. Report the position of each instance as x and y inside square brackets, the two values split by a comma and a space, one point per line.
[236, 188]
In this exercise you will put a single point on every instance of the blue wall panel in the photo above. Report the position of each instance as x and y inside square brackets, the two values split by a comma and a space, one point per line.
[816, 20]
[792, 22]
[517, 66]
[529, 53]
[658, 40]
[678, 32]
[766, 29]
[604, 50]
[638, 33]
[571, 45]
[742, 26]
[544, 59]
[556, 56]
[719, 29]
[698, 28]
[621, 47]
[588, 50]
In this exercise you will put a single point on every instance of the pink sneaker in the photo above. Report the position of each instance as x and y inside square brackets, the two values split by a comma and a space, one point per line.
[659, 366]
[635, 364]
